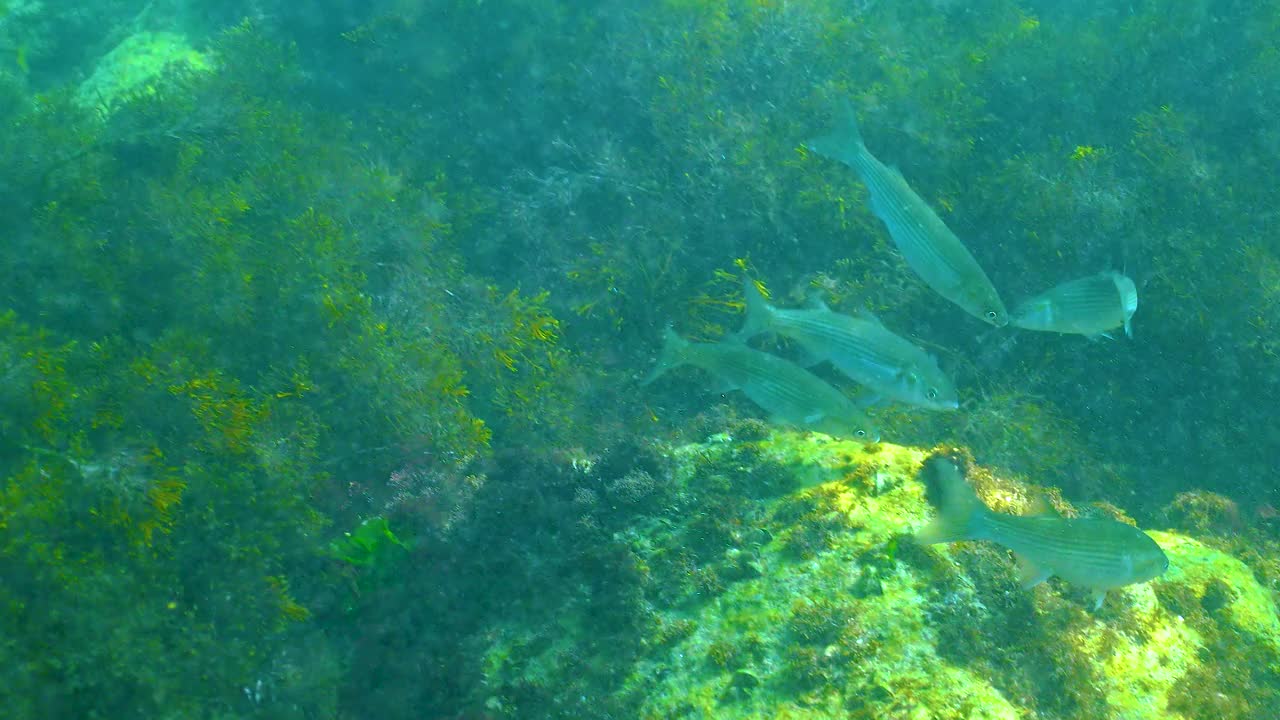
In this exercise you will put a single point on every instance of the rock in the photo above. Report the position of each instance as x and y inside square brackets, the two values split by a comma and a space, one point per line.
[134, 65]
[847, 617]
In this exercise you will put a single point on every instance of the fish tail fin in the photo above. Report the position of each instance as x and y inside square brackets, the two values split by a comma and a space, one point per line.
[961, 515]
[759, 316]
[844, 141]
[1128, 299]
[673, 353]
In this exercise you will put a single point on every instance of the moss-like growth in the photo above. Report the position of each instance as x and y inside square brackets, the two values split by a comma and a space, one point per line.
[213, 344]
[1204, 513]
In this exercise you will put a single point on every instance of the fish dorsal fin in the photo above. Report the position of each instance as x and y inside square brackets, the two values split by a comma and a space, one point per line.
[1030, 574]
[723, 386]
[1040, 506]
[814, 301]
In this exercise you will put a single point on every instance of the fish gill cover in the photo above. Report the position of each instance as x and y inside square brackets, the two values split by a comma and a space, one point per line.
[322, 327]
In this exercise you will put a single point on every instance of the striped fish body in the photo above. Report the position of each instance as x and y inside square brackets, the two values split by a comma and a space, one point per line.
[925, 242]
[1087, 306]
[1098, 553]
[859, 347]
[789, 393]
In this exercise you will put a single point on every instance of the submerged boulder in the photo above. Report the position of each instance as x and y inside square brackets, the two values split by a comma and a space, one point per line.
[136, 65]
[816, 602]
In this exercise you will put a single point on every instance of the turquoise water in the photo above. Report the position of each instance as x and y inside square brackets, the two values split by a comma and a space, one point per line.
[322, 327]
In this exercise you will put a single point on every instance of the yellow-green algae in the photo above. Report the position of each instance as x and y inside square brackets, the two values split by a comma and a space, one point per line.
[1249, 607]
[844, 616]
[135, 65]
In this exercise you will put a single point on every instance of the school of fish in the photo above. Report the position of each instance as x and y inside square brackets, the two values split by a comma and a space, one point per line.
[1096, 553]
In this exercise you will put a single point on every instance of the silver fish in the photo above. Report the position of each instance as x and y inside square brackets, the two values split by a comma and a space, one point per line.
[1097, 553]
[859, 347]
[926, 243]
[789, 393]
[1088, 306]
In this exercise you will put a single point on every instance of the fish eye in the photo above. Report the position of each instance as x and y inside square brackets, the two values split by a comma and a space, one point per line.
[931, 393]
[860, 433]
[992, 315]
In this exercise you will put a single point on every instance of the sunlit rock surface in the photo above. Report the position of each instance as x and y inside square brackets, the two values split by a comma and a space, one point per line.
[135, 65]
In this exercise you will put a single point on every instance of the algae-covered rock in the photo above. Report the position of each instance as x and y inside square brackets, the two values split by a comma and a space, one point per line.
[135, 65]
[843, 615]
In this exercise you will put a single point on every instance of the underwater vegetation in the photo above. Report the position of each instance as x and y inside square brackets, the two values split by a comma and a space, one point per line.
[323, 326]
[201, 280]
[825, 606]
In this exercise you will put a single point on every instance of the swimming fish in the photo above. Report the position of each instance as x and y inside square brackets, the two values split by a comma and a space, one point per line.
[1098, 553]
[1088, 306]
[789, 393]
[926, 243]
[859, 347]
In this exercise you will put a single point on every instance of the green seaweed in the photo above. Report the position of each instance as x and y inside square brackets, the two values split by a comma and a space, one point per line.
[369, 545]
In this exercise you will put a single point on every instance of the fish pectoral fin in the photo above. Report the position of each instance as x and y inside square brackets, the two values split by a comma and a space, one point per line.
[814, 417]
[723, 386]
[1030, 574]
[814, 301]
[1098, 595]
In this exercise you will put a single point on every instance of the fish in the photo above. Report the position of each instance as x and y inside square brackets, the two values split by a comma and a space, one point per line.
[860, 347]
[789, 393]
[1088, 306]
[1097, 553]
[925, 242]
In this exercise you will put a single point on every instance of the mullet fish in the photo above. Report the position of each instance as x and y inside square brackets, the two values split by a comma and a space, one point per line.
[1097, 553]
[789, 393]
[1088, 306]
[926, 243]
[859, 347]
